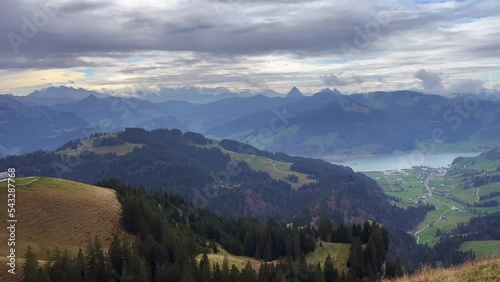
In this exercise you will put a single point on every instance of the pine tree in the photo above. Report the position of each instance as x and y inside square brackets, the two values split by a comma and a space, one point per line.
[79, 267]
[355, 261]
[280, 276]
[226, 273]
[204, 273]
[367, 230]
[42, 275]
[319, 276]
[30, 269]
[325, 229]
[330, 272]
[137, 266]
[378, 241]
[248, 274]
[217, 274]
[95, 262]
[264, 274]
[161, 273]
[234, 274]
[115, 255]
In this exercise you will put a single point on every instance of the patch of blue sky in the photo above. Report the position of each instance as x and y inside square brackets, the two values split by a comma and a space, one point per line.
[86, 71]
[133, 60]
[330, 62]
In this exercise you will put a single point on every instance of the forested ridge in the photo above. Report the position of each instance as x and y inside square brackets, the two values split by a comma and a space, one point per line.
[171, 233]
[193, 167]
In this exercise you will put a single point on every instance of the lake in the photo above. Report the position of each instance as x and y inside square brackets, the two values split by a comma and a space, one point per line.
[402, 161]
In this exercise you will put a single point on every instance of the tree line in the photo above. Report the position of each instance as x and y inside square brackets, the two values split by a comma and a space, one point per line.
[171, 233]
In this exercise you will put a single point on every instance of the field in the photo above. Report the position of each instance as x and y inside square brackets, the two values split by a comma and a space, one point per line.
[276, 169]
[239, 261]
[87, 145]
[486, 270]
[55, 212]
[453, 193]
[482, 248]
[338, 252]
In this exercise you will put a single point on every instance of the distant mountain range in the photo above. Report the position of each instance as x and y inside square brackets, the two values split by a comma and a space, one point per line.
[25, 129]
[322, 124]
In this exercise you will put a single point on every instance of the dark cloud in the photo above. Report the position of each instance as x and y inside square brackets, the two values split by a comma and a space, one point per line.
[88, 27]
[216, 34]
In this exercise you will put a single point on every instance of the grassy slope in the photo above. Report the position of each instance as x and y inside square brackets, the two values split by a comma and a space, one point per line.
[482, 248]
[59, 213]
[339, 253]
[86, 145]
[276, 169]
[487, 270]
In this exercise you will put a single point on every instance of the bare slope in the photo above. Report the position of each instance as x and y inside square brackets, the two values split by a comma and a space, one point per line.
[59, 213]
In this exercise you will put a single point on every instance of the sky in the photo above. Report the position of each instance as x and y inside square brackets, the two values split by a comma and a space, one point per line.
[355, 46]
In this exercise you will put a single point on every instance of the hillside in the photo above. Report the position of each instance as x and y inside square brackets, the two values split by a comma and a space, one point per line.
[60, 213]
[357, 124]
[467, 189]
[27, 128]
[324, 124]
[487, 270]
[202, 170]
[231, 179]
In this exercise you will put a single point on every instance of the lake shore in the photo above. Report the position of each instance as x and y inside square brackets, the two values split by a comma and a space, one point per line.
[397, 161]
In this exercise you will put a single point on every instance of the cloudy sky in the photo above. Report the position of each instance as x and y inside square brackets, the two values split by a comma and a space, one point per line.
[355, 46]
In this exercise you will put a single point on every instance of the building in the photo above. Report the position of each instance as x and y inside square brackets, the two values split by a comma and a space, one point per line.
[4, 176]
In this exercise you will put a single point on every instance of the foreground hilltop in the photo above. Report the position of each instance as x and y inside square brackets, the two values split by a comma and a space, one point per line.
[482, 270]
[61, 213]
[57, 213]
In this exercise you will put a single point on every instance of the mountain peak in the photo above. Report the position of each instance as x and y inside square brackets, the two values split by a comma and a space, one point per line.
[64, 92]
[330, 91]
[294, 92]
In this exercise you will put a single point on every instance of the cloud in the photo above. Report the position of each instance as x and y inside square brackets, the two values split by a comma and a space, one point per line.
[233, 41]
[431, 81]
[341, 80]
[467, 86]
[333, 80]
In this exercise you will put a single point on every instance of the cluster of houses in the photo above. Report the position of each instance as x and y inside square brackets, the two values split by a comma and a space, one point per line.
[445, 193]
[424, 196]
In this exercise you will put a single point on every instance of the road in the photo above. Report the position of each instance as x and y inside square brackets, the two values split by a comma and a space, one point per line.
[428, 225]
[275, 168]
[426, 183]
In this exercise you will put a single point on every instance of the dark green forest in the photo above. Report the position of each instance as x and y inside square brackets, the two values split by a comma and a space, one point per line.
[171, 233]
[186, 165]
